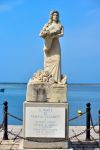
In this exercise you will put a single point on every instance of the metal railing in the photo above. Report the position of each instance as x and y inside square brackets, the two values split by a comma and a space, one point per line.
[89, 125]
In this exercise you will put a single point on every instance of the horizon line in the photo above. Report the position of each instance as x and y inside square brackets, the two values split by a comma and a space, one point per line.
[98, 84]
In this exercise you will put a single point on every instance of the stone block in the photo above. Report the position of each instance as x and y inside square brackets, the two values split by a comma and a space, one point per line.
[46, 92]
[45, 125]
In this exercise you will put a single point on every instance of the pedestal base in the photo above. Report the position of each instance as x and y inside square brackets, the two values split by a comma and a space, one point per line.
[45, 125]
[22, 148]
[46, 92]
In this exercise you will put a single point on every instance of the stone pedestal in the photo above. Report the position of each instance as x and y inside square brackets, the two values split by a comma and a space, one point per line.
[46, 92]
[45, 125]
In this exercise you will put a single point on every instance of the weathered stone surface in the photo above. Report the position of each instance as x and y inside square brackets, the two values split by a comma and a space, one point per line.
[45, 92]
[46, 145]
[57, 93]
[36, 91]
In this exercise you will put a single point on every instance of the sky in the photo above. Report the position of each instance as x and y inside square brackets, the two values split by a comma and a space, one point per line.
[21, 48]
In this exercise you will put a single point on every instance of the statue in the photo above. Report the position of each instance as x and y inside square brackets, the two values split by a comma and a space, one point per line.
[52, 52]
[46, 108]
[49, 85]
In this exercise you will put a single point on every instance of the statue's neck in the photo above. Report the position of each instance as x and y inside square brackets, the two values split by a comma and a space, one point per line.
[54, 22]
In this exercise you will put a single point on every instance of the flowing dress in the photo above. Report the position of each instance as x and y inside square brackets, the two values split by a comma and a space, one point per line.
[52, 51]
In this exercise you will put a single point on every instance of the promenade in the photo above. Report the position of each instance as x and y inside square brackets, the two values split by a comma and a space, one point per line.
[76, 142]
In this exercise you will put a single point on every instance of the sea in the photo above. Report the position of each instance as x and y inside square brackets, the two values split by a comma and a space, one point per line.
[78, 96]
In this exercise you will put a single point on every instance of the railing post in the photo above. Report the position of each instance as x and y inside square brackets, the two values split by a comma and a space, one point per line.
[5, 123]
[88, 109]
[99, 128]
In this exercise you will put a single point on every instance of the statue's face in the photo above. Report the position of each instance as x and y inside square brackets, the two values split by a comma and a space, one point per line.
[55, 17]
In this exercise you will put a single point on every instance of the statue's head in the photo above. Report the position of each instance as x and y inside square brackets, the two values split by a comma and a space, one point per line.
[54, 16]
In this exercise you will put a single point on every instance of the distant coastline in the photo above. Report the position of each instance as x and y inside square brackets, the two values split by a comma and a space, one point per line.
[12, 83]
[73, 84]
[84, 84]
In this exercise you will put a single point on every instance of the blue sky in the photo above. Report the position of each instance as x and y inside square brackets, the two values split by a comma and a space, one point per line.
[21, 48]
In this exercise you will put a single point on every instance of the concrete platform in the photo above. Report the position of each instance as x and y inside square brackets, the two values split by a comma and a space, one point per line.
[21, 148]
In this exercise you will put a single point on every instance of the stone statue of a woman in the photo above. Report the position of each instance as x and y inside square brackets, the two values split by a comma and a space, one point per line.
[52, 52]
[48, 85]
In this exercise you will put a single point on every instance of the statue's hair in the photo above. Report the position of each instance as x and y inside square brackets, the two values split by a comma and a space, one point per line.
[51, 16]
[50, 19]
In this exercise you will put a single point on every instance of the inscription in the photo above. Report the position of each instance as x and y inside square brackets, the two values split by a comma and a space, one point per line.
[47, 122]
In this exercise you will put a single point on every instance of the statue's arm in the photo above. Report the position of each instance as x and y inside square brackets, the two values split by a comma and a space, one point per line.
[45, 33]
[62, 32]
[58, 34]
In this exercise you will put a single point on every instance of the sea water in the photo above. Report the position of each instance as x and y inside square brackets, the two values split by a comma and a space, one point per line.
[78, 97]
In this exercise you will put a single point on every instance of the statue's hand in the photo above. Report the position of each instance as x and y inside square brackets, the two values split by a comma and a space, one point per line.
[54, 33]
[43, 34]
[48, 32]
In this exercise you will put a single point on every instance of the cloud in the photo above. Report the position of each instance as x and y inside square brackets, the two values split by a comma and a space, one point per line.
[6, 6]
